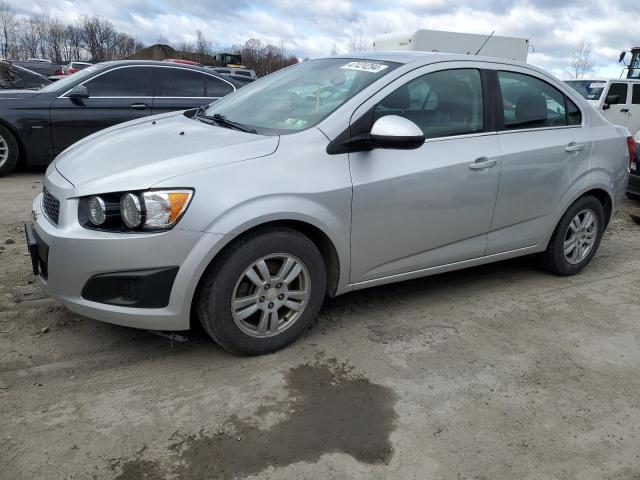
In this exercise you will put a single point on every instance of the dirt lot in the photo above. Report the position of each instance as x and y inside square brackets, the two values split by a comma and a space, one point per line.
[498, 372]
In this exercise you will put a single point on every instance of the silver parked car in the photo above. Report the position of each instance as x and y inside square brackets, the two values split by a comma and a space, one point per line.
[333, 175]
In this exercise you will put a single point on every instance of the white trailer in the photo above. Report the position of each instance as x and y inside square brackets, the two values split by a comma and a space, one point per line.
[511, 48]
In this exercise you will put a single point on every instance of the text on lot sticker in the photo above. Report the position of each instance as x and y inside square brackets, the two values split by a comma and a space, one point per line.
[597, 85]
[365, 67]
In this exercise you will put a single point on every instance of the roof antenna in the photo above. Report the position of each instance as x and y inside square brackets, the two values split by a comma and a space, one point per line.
[485, 42]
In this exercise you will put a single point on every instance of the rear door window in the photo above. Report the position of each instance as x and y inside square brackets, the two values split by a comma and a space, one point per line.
[636, 95]
[529, 102]
[620, 89]
[122, 82]
[179, 82]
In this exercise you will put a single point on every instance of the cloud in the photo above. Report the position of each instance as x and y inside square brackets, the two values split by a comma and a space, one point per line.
[311, 28]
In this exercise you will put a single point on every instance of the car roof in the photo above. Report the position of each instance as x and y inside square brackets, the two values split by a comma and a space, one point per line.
[423, 58]
[118, 63]
[632, 80]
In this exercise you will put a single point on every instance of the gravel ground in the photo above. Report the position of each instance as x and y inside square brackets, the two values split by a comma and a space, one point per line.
[497, 372]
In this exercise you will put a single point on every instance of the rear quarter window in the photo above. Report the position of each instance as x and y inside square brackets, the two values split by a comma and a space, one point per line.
[217, 87]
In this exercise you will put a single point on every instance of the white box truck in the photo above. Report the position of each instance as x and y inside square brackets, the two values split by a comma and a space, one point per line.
[511, 48]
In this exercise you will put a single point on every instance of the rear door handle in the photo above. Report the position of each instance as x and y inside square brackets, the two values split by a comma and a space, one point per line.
[138, 106]
[482, 163]
[624, 110]
[574, 147]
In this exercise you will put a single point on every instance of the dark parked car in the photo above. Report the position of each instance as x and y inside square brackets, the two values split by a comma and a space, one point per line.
[41, 124]
[43, 67]
[243, 79]
[12, 77]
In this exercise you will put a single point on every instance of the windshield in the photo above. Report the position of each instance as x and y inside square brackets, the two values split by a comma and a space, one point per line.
[589, 89]
[301, 96]
[70, 80]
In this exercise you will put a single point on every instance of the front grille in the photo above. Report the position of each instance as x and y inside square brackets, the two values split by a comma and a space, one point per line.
[51, 206]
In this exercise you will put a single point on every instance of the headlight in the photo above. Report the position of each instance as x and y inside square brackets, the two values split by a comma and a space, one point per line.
[164, 208]
[97, 211]
[131, 210]
[134, 211]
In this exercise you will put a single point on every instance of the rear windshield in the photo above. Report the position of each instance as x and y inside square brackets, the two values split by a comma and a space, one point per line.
[589, 89]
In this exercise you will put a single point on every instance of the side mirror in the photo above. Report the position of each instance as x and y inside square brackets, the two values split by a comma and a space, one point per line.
[79, 91]
[610, 100]
[390, 131]
[393, 131]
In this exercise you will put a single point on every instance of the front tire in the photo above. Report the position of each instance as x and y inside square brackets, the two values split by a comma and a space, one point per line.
[576, 237]
[263, 291]
[8, 151]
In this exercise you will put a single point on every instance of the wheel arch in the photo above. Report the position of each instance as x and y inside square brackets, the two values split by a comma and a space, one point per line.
[22, 149]
[334, 265]
[605, 199]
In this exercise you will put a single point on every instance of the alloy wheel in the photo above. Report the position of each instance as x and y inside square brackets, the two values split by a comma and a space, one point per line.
[4, 151]
[270, 295]
[580, 236]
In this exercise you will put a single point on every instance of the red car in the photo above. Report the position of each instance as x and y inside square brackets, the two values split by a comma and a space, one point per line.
[73, 67]
[185, 62]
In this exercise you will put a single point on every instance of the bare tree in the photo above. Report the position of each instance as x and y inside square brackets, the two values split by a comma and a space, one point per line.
[29, 37]
[359, 44]
[73, 47]
[8, 30]
[202, 46]
[99, 37]
[55, 38]
[185, 46]
[581, 63]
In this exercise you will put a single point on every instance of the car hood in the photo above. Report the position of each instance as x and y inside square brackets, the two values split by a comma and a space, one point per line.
[138, 154]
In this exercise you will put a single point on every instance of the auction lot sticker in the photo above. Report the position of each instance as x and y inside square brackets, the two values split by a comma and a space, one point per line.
[364, 67]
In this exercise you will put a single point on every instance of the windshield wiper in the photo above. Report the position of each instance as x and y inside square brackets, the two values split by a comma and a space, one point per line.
[222, 120]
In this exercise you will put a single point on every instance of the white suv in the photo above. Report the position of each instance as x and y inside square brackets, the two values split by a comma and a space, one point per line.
[617, 99]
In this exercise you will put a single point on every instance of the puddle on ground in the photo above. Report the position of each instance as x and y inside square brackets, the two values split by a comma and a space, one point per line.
[331, 410]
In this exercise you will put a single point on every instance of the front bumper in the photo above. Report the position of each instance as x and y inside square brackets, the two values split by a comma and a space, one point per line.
[74, 255]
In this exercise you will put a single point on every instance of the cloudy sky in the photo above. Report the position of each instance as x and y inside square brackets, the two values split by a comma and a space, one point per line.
[310, 28]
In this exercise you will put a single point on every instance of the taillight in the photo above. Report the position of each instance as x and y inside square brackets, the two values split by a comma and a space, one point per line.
[631, 143]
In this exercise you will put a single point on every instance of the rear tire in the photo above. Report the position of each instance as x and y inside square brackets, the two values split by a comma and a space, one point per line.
[576, 237]
[263, 291]
[8, 151]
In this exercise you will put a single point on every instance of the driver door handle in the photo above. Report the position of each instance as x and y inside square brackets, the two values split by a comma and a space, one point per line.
[138, 106]
[574, 147]
[482, 163]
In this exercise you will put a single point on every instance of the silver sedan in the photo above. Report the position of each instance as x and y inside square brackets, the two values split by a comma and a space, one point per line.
[330, 176]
